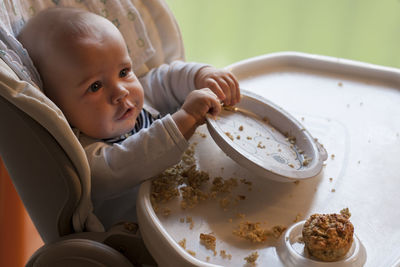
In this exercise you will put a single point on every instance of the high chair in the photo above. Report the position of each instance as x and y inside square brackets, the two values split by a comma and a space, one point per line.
[45, 161]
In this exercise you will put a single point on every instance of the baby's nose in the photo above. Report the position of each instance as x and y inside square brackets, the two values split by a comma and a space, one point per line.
[118, 93]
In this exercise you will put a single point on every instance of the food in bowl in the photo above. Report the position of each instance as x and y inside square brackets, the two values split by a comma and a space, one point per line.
[328, 237]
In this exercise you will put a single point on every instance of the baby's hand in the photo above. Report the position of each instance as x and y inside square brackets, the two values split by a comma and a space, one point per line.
[197, 105]
[221, 82]
[200, 102]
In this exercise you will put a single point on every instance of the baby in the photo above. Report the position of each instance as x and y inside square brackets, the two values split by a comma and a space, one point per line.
[86, 70]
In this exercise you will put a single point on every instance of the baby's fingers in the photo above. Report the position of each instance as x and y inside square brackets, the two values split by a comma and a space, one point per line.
[215, 107]
[224, 85]
[232, 91]
[234, 88]
[213, 85]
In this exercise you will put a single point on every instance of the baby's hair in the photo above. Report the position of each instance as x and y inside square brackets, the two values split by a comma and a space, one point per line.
[77, 24]
[73, 22]
[52, 30]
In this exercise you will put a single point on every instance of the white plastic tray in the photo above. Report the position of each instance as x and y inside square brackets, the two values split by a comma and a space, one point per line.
[353, 110]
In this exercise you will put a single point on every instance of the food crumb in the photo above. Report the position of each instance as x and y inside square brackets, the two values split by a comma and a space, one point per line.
[306, 161]
[330, 179]
[191, 252]
[166, 212]
[248, 183]
[333, 156]
[189, 219]
[240, 197]
[253, 232]
[165, 185]
[345, 212]
[249, 138]
[225, 255]
[333, 190]
[241, 128]
[220, 185]
[229, 135]
[340, 84]
[252, 258]
[209, 241]
[203, 135]
[290, 139]
[182, 243]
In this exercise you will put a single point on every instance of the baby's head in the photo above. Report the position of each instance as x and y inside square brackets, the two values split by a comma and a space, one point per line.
[86, 70]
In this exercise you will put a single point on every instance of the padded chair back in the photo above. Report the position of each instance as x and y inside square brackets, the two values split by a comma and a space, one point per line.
[42, 174]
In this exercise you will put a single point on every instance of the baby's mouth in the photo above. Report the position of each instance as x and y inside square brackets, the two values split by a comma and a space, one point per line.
[125, 112]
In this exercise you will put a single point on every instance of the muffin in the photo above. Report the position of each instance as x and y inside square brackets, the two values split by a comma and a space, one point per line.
[328, 237]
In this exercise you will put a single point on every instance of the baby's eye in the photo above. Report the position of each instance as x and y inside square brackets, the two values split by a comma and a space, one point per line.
[123, 73]
[94, 87]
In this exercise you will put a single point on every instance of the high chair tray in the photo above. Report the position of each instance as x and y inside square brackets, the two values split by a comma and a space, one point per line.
[353, 110]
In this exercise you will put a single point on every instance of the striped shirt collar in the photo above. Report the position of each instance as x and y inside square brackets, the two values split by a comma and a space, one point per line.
[144, 120]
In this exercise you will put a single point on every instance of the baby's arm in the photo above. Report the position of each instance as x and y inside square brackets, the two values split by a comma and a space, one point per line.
[193, 112]
[167, 86]
[221, 82]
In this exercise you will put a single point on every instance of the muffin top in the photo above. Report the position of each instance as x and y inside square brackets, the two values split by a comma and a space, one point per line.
[328, 236]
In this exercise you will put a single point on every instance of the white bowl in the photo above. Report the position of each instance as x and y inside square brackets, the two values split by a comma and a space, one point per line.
[255, 133]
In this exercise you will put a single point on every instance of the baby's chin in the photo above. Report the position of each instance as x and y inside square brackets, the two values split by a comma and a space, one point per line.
[109, 130]
[108, 134]
[122, 130]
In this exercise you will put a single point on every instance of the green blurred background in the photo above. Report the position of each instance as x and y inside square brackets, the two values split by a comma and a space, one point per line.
[221, 32]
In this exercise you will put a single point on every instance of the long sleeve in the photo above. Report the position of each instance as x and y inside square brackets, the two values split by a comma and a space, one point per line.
[167, 86]
[117, 168]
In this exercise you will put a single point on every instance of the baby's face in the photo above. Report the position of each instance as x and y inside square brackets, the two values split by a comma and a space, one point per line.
[93, 84]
